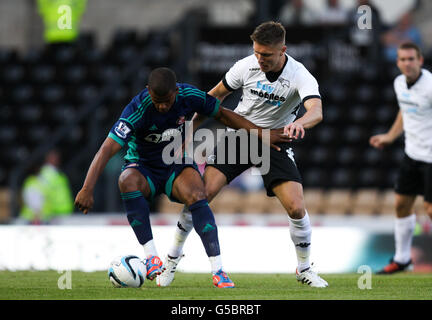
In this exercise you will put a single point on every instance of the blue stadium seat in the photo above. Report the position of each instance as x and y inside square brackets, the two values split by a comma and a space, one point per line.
[365, 94]
[8, 134]
[355, 134]
[7, 114]
[386, 114]
[326, 135]
[52, 94]
[359, 114]
[62, 113]
[22, 93]
[74, 74]
[42, 74]
[30, 113]
[372, 156]
[343, 178]
[12, 74]
[316, 177]
[347, 156]
[321, 155]
[371, 177]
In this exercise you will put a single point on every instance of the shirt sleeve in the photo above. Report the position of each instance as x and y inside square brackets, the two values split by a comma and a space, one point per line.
[307, 86]
[234, 77]
[124, 128]
[201, 102]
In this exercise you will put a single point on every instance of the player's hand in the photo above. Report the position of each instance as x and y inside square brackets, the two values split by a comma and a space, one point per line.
[84, 200]
[294, 130]
[379, 141]
[278, 136]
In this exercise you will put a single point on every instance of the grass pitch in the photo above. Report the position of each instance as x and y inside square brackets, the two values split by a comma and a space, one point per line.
[43, 285]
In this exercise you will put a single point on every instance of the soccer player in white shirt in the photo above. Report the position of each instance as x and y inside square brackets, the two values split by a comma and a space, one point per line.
[274, 85]
[414, 94]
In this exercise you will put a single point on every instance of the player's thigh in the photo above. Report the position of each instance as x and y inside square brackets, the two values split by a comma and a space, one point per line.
[404, 204]
[132, 180]
[188, 187]
[214, 181]
[290, 194]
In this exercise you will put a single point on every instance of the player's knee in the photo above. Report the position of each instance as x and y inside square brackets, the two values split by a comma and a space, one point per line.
[402, 209]
[296, 212]
[211, 192]
[128, 182]
[195, 196]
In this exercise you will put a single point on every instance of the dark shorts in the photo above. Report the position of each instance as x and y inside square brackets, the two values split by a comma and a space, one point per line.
[415, 178]
[160, 179]
[282, 165]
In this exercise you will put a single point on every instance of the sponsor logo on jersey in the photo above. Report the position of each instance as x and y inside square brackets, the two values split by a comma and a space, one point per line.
[266, 91]
[164, 136]
[122, 130]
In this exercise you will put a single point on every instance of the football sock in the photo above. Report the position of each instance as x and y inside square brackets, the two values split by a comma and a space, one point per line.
[138, 215]
[216, 263]
[150, 248]
[300, 231]
[184, 227]
[205, 225]
[404, 230]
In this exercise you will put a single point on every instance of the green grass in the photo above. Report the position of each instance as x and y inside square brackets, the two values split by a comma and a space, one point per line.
[42, 285]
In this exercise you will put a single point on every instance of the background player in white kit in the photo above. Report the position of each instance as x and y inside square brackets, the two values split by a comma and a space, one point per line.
[414, 94]
[273, 85]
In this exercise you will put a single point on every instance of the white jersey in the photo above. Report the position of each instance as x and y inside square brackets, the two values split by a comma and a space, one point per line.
[415, 103]
[271, 104]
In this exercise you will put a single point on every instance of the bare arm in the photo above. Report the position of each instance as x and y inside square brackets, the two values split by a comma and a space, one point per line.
[220, 91]
[381, 140]
[311, 118]
[235, 121]
[84, 198]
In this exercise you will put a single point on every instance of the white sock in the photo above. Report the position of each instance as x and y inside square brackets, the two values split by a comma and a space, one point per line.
[404, 230]
[216, 263]
[150, 249]
[184, 227]
[300, 231]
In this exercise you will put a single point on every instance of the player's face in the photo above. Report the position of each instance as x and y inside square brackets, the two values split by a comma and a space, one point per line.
[163, 103]
[409, 63]
[270, 58]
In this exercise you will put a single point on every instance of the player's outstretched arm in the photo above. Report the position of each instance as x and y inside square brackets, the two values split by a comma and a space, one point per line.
[381, 140]
[84, 199]
[220, 92]
[311, 118]
[235, 121]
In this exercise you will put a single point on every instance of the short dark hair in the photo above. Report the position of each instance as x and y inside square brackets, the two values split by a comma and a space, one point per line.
[162, 81]
[269, 33]
[410, 45]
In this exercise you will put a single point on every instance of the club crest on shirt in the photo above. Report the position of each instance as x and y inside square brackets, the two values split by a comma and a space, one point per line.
[180, 120]
[122, 130]
[284, 82]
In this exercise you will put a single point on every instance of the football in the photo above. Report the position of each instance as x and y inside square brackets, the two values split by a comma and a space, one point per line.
[127, 272]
